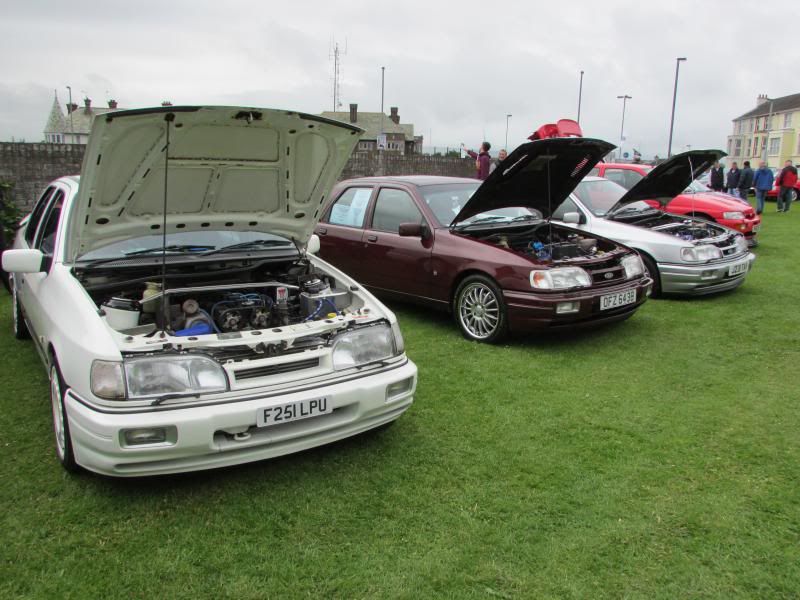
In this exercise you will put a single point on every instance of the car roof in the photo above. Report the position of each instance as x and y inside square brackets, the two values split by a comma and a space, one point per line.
[626, 165]
[417, 180]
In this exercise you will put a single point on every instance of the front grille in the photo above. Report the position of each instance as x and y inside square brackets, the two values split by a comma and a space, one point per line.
[728, 246]
[267, 370]
[600, 272]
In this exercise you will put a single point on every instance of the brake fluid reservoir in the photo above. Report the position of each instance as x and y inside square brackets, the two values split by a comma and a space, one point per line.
[151, 289]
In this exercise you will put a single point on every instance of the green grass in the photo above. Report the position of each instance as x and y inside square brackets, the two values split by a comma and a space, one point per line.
[656, 458]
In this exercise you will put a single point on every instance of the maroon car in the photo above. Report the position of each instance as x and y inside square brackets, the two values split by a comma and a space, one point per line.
[486, 250]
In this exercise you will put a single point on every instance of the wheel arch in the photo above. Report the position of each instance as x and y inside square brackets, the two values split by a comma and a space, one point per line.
[461, 277]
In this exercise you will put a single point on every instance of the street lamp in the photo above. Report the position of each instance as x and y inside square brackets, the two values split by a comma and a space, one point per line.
[580, 93]
[678, 62]
[506, 146]
[624, 99]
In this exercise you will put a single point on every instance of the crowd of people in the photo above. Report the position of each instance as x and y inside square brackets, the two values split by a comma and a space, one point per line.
[740, 181]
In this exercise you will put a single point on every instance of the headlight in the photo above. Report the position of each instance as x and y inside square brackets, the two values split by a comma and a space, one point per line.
[107, 380]
[363, 346]
[560, 278]
[741, 243]
[702, 253]
[733, 215]
[158, 375]
[633, 266]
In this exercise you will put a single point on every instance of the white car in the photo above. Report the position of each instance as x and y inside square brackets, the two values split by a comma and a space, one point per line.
[684, 255]
[206, 334]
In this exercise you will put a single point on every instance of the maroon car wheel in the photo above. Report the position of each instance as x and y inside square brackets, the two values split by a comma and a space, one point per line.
[479, 309]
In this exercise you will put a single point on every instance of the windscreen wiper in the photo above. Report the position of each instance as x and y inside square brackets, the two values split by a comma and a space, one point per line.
[246, 245]
[481, 220]
[526, 218]
[174, 249]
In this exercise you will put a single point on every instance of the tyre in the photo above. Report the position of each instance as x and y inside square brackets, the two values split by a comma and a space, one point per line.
[652, 270]
[479, 309]
[18, 321]
[793, 195]
[61, 433]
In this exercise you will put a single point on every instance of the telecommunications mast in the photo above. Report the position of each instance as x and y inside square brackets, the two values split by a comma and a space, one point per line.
[335, 54]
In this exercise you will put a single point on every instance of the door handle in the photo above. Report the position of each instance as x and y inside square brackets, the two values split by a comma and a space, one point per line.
[372, 238]
[322, 231]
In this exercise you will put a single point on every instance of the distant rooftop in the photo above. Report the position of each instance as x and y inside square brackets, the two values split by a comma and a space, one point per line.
[371, 122]
[781, 104]
[77, 119]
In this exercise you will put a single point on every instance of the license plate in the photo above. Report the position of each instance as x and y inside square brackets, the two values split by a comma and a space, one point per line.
[293, 411]
[616, 300]
[737, 269]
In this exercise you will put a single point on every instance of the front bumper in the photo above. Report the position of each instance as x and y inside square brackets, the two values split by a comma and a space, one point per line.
[359, 405]
[703, 279]
[528, 311]
[748, 227]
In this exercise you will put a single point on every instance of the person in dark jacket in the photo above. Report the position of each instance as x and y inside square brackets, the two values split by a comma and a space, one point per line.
[732, 184]
[762, 182]
[787, 179]
[717, 179]
[482, 160]
[745, 180]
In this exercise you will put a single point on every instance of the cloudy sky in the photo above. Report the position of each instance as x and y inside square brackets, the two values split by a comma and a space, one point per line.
[454, 69]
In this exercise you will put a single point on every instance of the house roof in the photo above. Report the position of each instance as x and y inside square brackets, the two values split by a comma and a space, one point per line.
[79, 122]
[55, 122]
[370, 122]
[781, 104]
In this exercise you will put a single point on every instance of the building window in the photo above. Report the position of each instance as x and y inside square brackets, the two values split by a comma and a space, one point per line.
[787, 120]
[730, 143]
[738, 147]
[798, 144]
[763, 145]
[774, 146]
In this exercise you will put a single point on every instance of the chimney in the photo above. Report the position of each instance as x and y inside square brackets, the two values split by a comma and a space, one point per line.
[394, 116]
[112, 103]
[761, 99]
[87, 103]
[353, 113]
[166, 103]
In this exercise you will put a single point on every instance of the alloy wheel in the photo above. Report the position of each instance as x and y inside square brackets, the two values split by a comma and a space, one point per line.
[479, 310]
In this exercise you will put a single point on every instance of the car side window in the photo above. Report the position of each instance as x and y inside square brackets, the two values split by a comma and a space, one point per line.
[617, 176]
[595, 172]
[566, 206]
[632, 178]
[392, 208]
[36, 215]
[46, 238]
[350, 208]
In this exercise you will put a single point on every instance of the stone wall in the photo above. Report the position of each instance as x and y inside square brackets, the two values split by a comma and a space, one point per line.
[30, 167]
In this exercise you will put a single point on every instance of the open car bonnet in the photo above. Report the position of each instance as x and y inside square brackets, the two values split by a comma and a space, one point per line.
[670, 178]
[243, 169]
[538, 175]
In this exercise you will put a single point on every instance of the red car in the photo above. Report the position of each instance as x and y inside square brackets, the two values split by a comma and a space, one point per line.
[486, 251]
[773, 193]
[697, 200]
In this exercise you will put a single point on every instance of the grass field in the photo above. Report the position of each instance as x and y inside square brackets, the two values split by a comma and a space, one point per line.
[658, 458]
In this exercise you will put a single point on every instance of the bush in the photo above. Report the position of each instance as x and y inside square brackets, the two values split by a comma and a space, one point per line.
[9, 214]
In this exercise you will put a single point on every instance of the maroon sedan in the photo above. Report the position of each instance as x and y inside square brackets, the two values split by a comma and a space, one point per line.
[487, 251]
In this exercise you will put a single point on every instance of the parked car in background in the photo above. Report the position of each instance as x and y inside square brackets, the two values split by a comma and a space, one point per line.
[486, 251]
[695, 200]
[683, 255]
[773, 193]
[206, 334]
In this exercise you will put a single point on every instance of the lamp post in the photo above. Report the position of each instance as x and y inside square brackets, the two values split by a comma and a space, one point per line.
[769, 130]
[624, 99]
[580, 94]
[383, 71]
[506, 146]
[678, 62]
[71, 128]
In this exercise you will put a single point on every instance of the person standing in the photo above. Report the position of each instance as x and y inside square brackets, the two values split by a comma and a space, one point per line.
[717, 179]
[732, 184]
[787, 179]
[762, 181]
[501, 156]
[482, 160]
[745, 180]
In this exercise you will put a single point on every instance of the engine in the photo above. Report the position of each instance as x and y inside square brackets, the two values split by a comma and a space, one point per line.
[550, 244]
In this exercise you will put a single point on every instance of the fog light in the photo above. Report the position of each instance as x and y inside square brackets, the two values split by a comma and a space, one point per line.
[565, 308]
[149, 435]
[398, 388]
[707, 274]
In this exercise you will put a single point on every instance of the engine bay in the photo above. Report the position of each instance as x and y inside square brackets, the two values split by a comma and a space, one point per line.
[199, 302]
[687, 229]
[549, 244]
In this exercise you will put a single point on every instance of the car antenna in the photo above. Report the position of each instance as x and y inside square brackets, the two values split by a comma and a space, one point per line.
[549, 210]
[168, 118]
[691, 170]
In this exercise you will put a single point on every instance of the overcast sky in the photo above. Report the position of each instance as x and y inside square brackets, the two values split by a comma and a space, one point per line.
[454, 69]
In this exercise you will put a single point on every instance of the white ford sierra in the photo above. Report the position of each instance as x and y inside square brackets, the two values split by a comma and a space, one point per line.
[174, 298]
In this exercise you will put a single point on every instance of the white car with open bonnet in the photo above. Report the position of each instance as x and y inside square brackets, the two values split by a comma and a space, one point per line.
[175, 299]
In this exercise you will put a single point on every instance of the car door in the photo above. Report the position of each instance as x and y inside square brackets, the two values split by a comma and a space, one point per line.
[341, 229]
[392, 262]
[35, 286]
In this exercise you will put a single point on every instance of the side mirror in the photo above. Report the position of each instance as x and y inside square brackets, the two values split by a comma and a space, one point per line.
[24, 261]
[313, 244]
[575, 218]
[411, 230]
